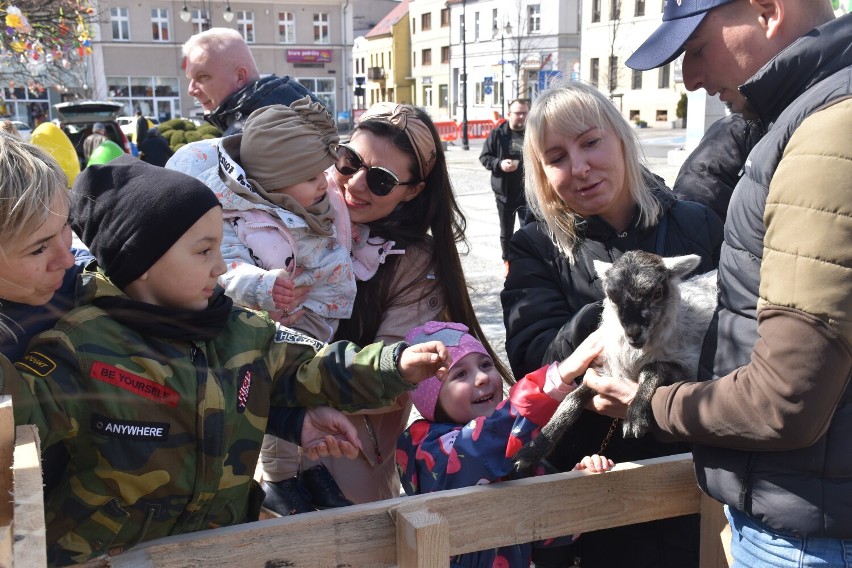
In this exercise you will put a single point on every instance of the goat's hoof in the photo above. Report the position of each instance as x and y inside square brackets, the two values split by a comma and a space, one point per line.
[635, 428]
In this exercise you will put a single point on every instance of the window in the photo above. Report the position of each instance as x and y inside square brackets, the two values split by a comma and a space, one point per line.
[245, 25]
[475, 26]
[427, 95]
[640, 8]
[664, 77]
[443, 96]
[426, 57]
[662, 116]
[413, 26]
[322, 28]
[426, 21]
[155, 96]
[323, 88]
[494, 26]
[534, 18]
[445, 54]
[462, 31]
[286, 27]
[445, 17]
[414, 59]
[160, 24]
[479, 96]
[634, 115]
[613, 74]
[596, 11]
[636, 81]
[200, 21]
[615, 10]
[594, 71]
[120, 24]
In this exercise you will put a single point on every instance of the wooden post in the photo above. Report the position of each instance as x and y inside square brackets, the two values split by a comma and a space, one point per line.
[30, 541]
[715, 535]
[7, 445]
[422, 540]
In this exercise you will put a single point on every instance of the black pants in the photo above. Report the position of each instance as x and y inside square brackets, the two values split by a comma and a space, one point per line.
[506, 212]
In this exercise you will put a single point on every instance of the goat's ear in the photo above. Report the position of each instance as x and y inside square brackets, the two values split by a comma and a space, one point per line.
[601, 267]
[682, 265]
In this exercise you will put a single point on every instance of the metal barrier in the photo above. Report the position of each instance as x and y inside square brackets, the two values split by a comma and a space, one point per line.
[448, 131]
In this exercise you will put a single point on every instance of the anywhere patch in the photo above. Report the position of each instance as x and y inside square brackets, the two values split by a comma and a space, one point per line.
[134, 383]
[37, 363]
[129, 429]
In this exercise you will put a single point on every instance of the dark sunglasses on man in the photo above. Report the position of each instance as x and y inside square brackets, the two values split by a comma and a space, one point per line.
[380, 181]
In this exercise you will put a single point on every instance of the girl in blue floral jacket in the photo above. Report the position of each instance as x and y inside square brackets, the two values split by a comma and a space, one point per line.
[469, 434]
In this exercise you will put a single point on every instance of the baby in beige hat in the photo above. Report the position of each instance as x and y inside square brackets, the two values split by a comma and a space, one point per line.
[279, 219]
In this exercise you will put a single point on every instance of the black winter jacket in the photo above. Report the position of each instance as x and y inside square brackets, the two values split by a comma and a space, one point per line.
[549, 307]
[712, 170]
[230, 116]
[508, 187]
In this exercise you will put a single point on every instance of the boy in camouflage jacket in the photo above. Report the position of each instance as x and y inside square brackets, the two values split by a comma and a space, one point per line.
[160, 390]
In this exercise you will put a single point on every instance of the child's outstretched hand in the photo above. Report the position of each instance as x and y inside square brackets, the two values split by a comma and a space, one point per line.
[577, 363]
[423, 360]
[327, 432]
[595, 464]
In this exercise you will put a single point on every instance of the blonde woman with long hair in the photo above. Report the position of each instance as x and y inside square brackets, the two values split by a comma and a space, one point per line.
[593, 199]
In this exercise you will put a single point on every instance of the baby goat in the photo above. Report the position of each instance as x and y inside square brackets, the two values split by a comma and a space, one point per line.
[655, 324]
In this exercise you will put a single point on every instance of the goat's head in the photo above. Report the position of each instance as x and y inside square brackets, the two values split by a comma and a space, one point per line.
[642, 289]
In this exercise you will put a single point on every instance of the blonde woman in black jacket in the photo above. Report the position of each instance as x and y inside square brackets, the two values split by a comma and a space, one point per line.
[593, 200]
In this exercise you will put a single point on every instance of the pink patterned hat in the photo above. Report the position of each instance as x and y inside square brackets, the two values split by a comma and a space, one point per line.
[459, 343]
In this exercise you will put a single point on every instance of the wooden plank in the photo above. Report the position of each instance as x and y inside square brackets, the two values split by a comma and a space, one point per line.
[715, 534]
[565, 503]
[7, 447]
[365, 535]
[30, 546]
[422, 540]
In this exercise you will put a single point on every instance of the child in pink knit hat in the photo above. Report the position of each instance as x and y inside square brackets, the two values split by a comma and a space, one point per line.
[469, 433]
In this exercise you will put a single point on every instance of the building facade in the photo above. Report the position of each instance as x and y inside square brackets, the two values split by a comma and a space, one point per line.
[508, 50]
[612, 31]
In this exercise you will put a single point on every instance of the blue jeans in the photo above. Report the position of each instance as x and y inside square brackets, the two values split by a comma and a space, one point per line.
[755, 546]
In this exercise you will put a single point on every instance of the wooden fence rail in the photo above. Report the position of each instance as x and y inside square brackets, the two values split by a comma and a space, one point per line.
[423, 531]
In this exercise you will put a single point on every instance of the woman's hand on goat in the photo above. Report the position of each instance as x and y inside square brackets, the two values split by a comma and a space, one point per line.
[614, 395]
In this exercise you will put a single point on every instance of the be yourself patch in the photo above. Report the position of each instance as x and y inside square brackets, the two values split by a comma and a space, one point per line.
[134, 383]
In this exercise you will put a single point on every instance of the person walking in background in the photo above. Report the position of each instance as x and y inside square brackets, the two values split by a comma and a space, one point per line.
[224, 79]
[155, 149]
[502, 154]
[770, 433]
[94, 140]
[468, 434]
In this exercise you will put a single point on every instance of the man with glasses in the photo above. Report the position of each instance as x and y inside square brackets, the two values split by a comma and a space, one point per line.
[502, 153]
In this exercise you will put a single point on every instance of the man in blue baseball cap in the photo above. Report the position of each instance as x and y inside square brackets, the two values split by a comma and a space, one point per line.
[771, 432]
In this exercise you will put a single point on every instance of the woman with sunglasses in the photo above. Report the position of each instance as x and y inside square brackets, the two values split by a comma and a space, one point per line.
[392, 177]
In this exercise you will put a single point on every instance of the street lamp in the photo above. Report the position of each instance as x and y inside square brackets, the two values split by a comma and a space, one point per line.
[508, 31]
[186, 15]
[465, 143]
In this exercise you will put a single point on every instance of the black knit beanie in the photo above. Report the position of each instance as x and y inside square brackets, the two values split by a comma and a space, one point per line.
[130, 213]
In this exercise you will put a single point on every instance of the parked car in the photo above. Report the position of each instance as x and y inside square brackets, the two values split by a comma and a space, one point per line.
[76, 119]
[128, 123]
[23, 129]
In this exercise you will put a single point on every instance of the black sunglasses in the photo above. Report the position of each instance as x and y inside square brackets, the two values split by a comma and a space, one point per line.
[380, 181]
